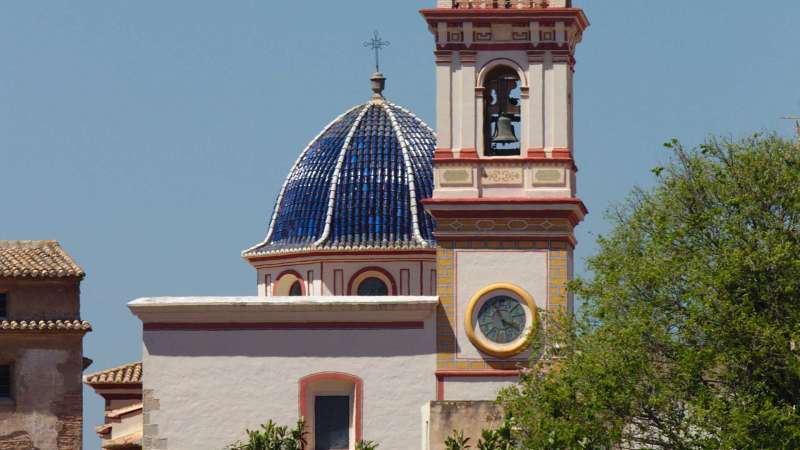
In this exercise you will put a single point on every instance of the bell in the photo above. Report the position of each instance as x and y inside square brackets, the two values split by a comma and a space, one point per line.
[504, 131]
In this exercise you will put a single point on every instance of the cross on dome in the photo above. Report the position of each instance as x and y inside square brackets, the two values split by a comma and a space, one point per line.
[377, 44]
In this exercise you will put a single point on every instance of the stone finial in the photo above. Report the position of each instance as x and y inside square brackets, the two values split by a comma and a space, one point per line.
[378, 84]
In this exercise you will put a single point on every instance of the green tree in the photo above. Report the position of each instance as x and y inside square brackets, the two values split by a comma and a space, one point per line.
[689, 331]
[366, 445]
[274, 437]
[457, 441]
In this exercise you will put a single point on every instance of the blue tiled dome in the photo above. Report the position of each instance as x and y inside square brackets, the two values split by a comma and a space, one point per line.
[358, 184]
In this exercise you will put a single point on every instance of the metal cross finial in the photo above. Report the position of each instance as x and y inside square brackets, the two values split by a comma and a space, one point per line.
[376, 44]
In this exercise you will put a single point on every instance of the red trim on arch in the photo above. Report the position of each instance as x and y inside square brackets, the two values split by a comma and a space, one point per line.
[392, 288]
[289, 272]
[358, 401]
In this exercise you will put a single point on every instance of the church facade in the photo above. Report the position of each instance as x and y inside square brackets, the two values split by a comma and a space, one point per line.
[402, 266]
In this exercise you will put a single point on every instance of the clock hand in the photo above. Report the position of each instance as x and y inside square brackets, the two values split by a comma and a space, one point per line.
[516, 327]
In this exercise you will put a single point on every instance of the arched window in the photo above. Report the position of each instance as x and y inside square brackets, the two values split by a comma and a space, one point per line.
[288, 283]
[372, 281]
[332, 405]
[296, 290]
[373, 286]
[501, 112]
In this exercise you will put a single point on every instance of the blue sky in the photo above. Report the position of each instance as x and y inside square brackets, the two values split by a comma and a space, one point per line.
[151, 137]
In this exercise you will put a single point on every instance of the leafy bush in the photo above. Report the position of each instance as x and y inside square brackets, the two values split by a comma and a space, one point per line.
[366, 445]
[274, 437]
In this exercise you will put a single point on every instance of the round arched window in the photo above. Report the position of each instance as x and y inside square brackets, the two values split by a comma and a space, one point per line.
[296, 290]
[373, 286]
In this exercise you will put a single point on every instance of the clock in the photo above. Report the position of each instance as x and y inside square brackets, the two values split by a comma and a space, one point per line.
[500, 318]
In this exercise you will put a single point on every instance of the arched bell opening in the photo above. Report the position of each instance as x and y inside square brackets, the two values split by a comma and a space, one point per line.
[501, 112]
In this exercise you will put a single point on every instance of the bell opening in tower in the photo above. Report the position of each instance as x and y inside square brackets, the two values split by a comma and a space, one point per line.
[501, 116]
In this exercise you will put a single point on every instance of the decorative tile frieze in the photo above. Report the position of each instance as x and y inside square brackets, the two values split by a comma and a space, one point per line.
[549, 176]
[456, 176]
[501, 176]
[504, 224]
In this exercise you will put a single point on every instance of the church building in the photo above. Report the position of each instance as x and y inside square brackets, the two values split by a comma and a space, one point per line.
[404, 268]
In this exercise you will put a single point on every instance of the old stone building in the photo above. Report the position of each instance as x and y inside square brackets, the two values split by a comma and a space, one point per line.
[41, 347]
[121, 388]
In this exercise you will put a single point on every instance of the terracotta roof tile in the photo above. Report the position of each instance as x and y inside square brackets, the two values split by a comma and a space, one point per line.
[127, 374]
[44, 326]
[36, 259]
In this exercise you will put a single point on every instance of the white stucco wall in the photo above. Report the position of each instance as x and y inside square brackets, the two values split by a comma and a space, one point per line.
[474, 271]
[475, 388]
[332, 274]
[211, 385]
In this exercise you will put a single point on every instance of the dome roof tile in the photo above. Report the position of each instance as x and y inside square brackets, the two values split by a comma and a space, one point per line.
[357, 185]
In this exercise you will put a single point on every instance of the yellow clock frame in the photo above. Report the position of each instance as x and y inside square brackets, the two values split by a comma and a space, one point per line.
[484, 344]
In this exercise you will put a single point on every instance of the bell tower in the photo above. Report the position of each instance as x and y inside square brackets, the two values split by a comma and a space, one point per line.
[504, 197]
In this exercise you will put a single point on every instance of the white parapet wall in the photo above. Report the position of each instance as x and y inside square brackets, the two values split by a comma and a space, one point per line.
[217, 365]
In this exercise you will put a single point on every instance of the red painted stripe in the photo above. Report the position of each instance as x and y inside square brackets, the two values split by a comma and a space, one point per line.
[222, 326]
[478, 373]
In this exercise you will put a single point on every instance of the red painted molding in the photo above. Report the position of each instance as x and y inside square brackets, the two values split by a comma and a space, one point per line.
[478, 373]
[225, 326]
[289, 272]
[355, 253]
[501, 209]
[392, 288]
[115, 386]
[358, 388]
[468, 153]
[442, 153]
[506, 200]
[523, 15]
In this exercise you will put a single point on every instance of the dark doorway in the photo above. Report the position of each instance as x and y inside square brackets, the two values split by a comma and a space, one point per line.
[332, 422]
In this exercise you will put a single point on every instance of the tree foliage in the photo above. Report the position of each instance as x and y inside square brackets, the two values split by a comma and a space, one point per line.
[689, 332]
[274, 437]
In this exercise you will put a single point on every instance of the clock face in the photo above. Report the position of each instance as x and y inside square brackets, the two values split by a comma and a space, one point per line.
[502, 319]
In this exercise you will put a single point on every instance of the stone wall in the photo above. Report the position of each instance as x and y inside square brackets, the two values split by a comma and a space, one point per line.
[42, 299]
[440, 418]
[47, 406]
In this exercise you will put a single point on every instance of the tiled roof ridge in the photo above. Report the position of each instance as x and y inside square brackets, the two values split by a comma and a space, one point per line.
[412, 190]
[36, 259]
[124, 374]
[335, 178]
[55, 326]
